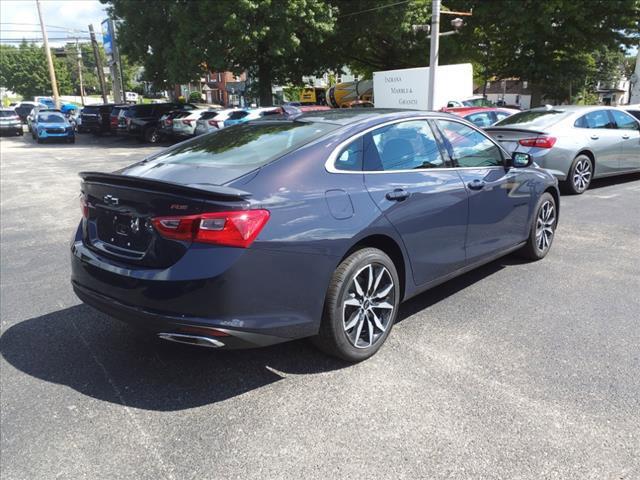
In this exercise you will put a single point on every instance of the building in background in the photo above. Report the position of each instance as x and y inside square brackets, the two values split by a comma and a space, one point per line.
[613, 93]
[508, 92]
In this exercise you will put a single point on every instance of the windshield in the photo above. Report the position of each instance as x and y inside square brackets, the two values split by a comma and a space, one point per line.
[50, 118]
[534, 118]
[245, 145]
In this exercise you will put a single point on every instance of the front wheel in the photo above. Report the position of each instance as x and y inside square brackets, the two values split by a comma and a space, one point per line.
[580, 175]
[361, 306]
[543, 229]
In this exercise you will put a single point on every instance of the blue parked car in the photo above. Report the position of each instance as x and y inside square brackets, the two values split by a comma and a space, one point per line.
[314, 226]
[50, 124]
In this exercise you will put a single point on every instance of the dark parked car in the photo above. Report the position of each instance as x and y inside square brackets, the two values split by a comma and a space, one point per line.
[143, 120]
[97, 118]
[315, 226]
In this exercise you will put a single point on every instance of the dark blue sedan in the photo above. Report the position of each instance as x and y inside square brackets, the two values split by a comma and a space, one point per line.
[314, 226]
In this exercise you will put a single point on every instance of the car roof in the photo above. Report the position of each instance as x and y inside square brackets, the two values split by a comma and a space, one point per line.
[348, 116]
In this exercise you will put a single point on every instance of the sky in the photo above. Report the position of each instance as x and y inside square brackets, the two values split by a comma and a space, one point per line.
[70, 14]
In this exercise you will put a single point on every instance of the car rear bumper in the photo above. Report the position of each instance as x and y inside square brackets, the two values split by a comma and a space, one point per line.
[246, 292]
[11, 128]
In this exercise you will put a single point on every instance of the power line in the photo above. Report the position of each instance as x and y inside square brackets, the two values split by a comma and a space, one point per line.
[374, 9]
[48, 26]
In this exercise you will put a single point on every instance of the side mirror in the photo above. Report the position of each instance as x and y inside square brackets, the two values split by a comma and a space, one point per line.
[521, 160]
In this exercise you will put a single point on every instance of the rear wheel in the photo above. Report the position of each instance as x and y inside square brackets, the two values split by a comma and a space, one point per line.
[361, 306]
[543, 229]
[151, 135]
[580, 175]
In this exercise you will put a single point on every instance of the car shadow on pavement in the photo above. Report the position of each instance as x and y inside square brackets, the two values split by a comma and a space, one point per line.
[106, 359]
[616, 180]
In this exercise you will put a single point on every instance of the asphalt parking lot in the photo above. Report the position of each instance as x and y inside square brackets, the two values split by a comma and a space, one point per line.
[517, 370]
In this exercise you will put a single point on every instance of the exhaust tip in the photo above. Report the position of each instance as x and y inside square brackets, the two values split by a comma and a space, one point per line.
[191, 340]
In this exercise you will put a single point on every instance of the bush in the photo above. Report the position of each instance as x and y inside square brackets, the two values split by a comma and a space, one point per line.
[195, 97]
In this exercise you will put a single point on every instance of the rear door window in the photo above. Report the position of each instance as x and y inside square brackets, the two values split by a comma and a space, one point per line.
[595, 119]
[350, 158]
[402, 146]
[238, 115]
[481, 119]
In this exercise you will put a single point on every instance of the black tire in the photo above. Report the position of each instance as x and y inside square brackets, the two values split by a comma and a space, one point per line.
[151, 135]
[71, 139]
[536, 248]
[577, 181]
[333, 337]
[40, 140]
[20, 132]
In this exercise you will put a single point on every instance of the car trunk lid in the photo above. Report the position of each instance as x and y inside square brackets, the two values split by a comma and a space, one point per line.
[119, 212]
[509, 137]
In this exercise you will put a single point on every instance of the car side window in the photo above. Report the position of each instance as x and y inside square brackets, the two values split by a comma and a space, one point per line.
[624, 121]
[595, 119]
[501, 115]
[468, 147]
[402, 146]
[480, 119]
[350, 158]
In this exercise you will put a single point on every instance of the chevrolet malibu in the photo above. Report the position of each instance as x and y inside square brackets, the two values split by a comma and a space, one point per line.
[316, 225]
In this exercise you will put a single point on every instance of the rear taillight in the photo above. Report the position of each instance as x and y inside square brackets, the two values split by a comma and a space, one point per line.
[168, 121]
[540, 142]
[84, 206]
[235, 229]
[214, 123]
[187, 122]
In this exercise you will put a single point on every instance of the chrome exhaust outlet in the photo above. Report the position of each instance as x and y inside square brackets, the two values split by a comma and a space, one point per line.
[191, 340]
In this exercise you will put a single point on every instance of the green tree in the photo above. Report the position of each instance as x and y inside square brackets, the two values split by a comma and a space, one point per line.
[276, 41]
[24, 70]
[548, 43]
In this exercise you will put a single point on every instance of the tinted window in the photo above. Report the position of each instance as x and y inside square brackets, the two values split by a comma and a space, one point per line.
[7, 113]
[534, 118]
[50, 118]
[635, 113]
[238, 115]
[141, 111]
[90, 110]
[350, 158]
[468, 147]
[624, 121]
[597, 119]
[480, 119]
[208, 115]
[245, 145]
[402, 146]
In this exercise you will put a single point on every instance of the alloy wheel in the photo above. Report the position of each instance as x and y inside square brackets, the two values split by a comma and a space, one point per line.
[582, 175]
[369, 305]
[545, 223]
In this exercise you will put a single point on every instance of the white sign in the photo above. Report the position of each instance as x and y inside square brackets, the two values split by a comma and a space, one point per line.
[408, 88]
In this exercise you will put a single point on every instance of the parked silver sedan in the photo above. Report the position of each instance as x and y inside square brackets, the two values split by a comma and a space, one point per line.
[577, 144]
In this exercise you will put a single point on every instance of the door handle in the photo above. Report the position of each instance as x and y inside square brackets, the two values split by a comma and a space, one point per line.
[625, 136]
[476, 184]
[398, 195]
[594, 137]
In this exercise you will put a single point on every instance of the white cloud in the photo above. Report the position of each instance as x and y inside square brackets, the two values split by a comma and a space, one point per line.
[69, 14]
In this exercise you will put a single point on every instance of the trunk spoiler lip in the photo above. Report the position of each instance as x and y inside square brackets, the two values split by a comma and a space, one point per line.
[496, 129]
[193, 189]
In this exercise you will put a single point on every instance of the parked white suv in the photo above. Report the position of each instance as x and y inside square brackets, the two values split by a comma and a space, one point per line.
[212, 120]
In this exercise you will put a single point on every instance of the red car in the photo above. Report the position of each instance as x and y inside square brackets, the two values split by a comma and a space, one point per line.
[481, 116]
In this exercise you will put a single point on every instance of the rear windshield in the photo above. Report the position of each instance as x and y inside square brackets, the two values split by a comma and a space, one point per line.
[140, 111]
[635, 113]
[533, 118]
[208, 115]
[7, 113]
[50, 118]
[238, 115]
[90, 110]
[248, 145]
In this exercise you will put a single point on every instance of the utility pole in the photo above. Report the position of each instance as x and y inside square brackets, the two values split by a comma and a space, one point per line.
[52, 72]
[96, 54]
[116, 58]
[433, 56]
[79, 53]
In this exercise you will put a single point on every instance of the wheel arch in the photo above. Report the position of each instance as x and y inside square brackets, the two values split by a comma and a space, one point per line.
[591, 156]
[390, 247]
[553, 191]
